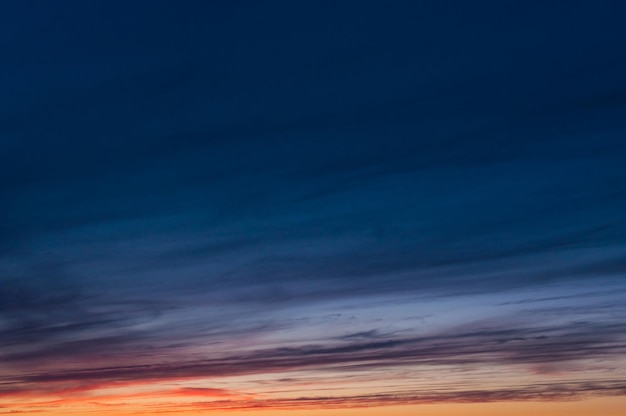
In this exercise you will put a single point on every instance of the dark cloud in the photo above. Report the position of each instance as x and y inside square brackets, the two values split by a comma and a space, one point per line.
[546, 392]
[569, 344]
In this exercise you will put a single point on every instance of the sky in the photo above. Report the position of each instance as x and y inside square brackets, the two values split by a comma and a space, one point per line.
[329, 208]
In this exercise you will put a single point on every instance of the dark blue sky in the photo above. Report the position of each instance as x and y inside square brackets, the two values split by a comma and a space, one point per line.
[213, 173]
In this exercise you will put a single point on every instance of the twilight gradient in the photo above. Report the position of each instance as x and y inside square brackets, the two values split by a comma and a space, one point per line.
[329, 208]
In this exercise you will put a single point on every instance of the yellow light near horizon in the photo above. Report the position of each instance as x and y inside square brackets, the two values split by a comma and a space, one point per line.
[607, 406]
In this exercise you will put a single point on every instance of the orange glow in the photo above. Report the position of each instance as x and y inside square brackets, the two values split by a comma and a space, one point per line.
[152, 399]
[613, 406]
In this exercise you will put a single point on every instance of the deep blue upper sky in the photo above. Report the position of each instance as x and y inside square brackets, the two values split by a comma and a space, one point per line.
[161, 155]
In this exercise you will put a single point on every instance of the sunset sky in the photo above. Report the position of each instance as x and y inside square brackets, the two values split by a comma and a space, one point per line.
[313, 208]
